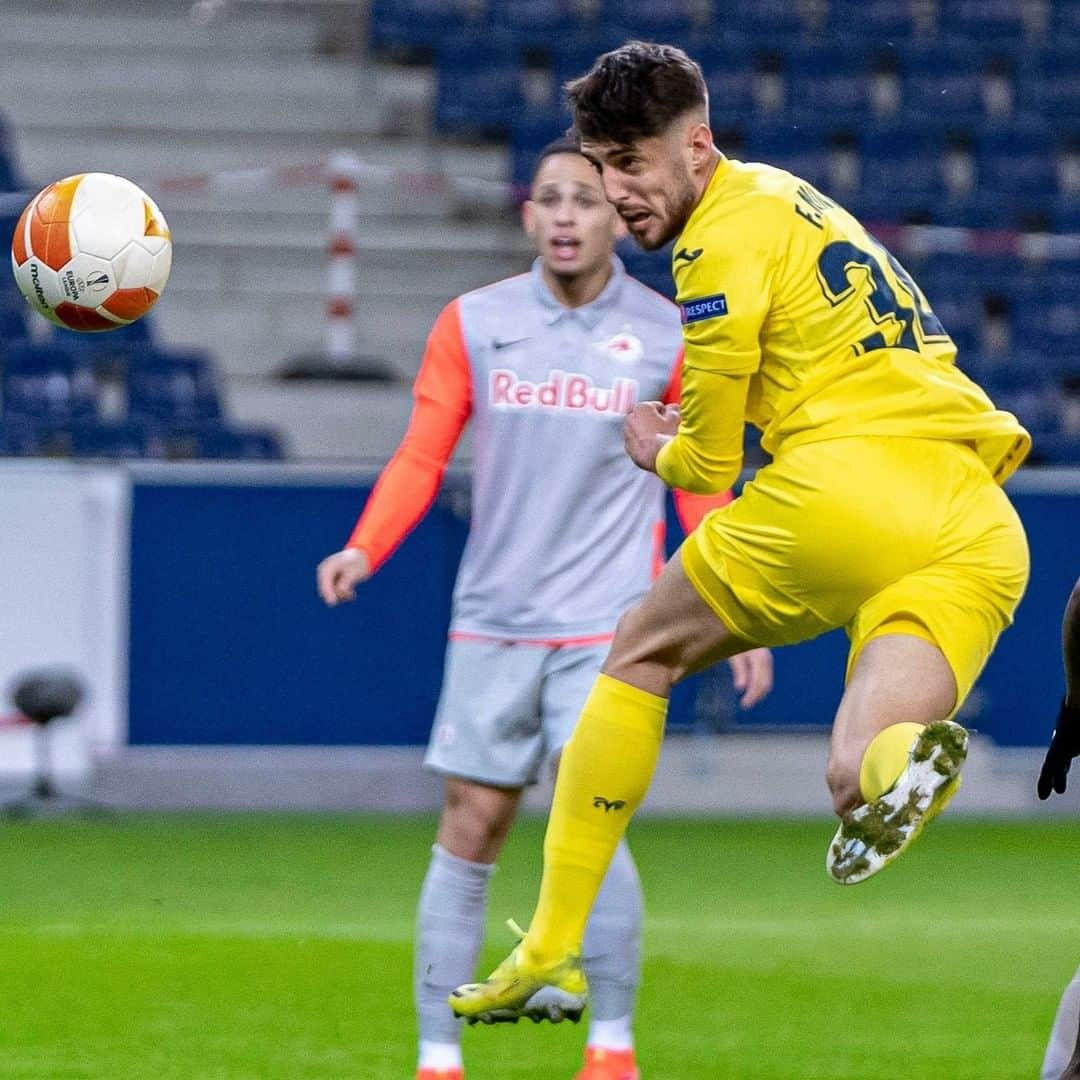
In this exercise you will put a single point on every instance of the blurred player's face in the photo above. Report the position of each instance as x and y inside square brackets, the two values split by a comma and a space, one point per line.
[655, 183]
[567, 215]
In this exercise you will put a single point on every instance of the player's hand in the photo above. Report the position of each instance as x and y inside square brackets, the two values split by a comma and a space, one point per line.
[338, 575]
[647, 427]
[752, 673]
[1064, 746]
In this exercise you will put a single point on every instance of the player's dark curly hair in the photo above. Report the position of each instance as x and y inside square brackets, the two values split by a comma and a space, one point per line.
[634, 92]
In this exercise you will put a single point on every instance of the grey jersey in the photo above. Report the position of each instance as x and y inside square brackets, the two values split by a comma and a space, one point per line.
[566, 531]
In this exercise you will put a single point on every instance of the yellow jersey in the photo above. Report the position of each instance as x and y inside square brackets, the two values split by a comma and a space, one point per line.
[790, 306]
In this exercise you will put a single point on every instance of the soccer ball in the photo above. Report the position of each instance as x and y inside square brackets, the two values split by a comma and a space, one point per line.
[92, 252]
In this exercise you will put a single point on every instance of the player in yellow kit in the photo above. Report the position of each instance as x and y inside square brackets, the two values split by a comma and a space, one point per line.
[882, 510]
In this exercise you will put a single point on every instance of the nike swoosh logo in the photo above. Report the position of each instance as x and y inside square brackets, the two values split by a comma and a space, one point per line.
[689, 256]
[496, 344]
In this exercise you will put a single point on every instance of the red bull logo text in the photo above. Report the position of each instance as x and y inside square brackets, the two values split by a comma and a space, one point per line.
[562, 390]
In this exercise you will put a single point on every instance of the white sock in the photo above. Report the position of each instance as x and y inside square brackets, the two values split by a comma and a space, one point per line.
[437, 1055]
[612, 1034]
[1063, 1036]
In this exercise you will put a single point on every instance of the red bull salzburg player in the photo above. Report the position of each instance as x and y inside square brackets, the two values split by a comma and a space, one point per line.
[566, 534]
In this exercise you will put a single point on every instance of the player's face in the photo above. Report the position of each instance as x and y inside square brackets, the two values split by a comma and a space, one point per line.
[567, 215]
[649, 182]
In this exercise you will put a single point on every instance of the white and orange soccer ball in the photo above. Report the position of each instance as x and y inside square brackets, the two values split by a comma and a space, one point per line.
[92, 252]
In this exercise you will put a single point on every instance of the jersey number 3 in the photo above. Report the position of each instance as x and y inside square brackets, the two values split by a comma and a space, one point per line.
[917, 323]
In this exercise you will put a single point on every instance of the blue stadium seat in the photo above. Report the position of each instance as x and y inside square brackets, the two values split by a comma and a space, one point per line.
[872, 23]
[9, 217]
[9, 172]
[1060, 448]
[116, 439]
[1030, 396]
[958, 303]
[478, 87]
[670, 21]
[994, 274]
[1064, 21]
[1017, 161]
[801, 149]
[652, 268]
[1068, 369]
[729, 75]
[1015, 369]
[1065, 214]
[13, 311]
[221, 441]
[528, 137]
[983, 20]
[537, 23]
[18, 438]
[1049, 84]
[985, 208]
[1046, 311]
[830, 82]
[875, 208]
[12, 326]
[419, 23]
[112, 350]
[175, 386]
[47, 384]
[942, 85]
[906, 162]
[765, 21]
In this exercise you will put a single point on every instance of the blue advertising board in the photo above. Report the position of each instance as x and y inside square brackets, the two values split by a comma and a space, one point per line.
[229, 643]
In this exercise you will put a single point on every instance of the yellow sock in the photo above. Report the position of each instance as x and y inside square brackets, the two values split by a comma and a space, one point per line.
[886, 758]
[604, 773]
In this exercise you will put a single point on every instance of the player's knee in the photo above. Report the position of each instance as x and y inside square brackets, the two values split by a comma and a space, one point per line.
[628, 632]
[475, 822]
[625, 647]
[637, 645]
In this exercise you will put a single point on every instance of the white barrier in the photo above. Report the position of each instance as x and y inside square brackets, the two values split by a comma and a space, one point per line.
[63, 553]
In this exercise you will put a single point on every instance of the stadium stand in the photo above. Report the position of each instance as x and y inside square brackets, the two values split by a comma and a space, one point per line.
[54, 386]
[9, 173]
[963, 114]
[47, 385]
[173, 387]
[219, 441]
[116, 439]
[54, 395]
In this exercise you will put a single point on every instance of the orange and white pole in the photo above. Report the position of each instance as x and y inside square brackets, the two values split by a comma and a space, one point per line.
[343, 169]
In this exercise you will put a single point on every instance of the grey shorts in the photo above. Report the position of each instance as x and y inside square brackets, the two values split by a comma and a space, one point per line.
[507, 707]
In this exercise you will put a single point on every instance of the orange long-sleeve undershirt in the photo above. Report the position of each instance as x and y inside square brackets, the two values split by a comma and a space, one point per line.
[409, 483]
[443, 404]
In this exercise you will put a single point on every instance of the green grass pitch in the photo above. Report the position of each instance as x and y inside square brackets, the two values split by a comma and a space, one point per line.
[278, 948]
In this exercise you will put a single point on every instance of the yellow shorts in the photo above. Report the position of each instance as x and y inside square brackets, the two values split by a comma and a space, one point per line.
[878, 535]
